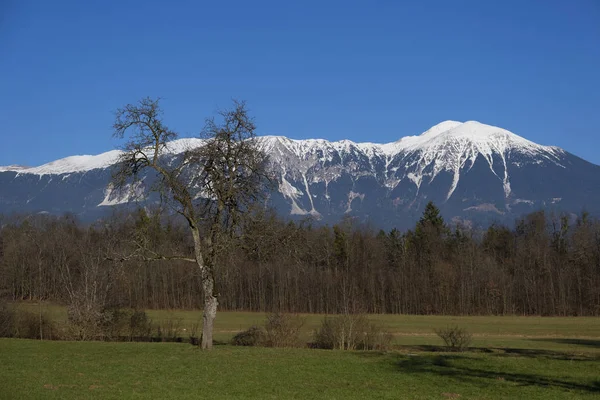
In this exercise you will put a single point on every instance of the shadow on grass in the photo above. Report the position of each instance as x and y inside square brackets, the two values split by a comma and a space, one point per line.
[581, 342]
[546, 354]
[451, 366]
[510, 352]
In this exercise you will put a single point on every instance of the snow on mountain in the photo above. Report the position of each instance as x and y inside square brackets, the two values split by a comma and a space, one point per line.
[75, 164]
[451, 145]
[12, 168]
[447, 146]
[472, 135]
[83, 163]
[465, 167]
[180, 145]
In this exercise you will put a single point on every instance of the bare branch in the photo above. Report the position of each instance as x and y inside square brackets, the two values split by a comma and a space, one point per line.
[157, 258]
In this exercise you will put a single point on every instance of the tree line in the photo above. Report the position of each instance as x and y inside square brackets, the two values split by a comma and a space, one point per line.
[545, 265]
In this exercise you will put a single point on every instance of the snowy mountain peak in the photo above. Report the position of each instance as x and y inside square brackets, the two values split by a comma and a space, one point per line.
[449, 143]
[475, 130]
[466, 132]
[440, 128]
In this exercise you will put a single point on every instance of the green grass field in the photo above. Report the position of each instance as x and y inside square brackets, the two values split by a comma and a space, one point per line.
[97, 370]
[556, 333]
[511, 357]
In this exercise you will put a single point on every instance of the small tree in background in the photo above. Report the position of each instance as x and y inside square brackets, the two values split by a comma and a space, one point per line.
[455, 338]
[431, 221]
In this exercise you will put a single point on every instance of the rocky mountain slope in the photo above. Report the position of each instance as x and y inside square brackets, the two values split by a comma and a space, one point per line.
[472, 171]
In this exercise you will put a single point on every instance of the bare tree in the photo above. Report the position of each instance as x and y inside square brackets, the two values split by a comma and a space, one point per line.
[211, 186]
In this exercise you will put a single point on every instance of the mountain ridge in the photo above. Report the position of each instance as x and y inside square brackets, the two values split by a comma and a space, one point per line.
[108, 158]
[472, 170]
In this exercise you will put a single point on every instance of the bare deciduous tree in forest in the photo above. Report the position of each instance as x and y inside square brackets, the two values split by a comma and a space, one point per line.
[211, 186]
[546, 265]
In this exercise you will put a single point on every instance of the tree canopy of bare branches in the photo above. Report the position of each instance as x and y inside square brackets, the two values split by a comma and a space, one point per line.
[211, 185]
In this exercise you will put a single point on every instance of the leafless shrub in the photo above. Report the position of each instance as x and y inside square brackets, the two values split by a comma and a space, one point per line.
[115, 323]
[253, 336]
[194, 339]
[455, 338]
[27, 325]
[32, 326]
[376, 338]
[169, 330]
[140, 325]
[7, 320]
[93, 323]
[86, 320]
[351, 332]
[283, 330]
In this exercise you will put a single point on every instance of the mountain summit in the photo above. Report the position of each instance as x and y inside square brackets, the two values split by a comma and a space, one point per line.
[473, 171]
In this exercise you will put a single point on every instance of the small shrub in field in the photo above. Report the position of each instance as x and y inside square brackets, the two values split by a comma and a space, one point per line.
[329, 334]
[26, 325]
[86, 321]
[140, 325]
[351, 332]
[125, 324]
[169, 330]
[377, 338]
[114, 323]
[455, 338]
[253, 336]
[7, 320]
[34, 326]
[194, 339]
[109, 324]
[283, 330]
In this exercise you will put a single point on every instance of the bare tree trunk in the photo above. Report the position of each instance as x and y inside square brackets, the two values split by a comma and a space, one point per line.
[208, 286]
[40, 296]
[210, 312]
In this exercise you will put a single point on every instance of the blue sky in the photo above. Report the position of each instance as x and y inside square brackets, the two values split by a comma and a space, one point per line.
[364, 71]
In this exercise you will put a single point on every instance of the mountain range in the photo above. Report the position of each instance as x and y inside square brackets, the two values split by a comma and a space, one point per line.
[475, 173]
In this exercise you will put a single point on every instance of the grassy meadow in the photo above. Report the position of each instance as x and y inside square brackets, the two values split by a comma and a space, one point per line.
[510, 357]
[556, 333]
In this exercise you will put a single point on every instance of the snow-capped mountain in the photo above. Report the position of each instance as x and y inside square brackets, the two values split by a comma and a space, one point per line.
[471, 170]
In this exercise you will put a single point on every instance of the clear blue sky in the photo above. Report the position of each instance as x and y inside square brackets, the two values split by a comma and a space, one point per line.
[364, 71]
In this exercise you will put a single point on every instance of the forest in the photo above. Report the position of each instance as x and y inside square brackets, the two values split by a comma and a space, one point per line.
[545, 265]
